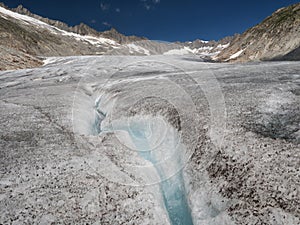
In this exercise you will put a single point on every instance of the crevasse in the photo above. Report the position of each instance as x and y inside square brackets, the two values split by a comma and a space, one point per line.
[159, 143]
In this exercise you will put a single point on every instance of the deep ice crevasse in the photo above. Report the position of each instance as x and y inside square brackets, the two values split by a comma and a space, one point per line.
[164, 152]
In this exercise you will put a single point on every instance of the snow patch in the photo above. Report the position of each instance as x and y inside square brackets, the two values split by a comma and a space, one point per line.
[237, 54]
[223, 46]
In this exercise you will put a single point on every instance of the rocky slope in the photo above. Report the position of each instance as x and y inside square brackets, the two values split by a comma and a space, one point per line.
[11, 59]
[276, 38]
[27, 38]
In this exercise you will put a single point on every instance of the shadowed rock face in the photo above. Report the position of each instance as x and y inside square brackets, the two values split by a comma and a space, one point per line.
[275, 38]
[292, 56]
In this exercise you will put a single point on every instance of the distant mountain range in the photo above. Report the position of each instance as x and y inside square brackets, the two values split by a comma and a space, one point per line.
[27, 38]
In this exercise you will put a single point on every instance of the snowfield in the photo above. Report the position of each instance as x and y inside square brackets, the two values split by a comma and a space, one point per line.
[150, 140]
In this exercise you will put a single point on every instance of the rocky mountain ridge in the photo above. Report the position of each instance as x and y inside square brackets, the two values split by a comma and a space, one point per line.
[275, 38]
[81, 28]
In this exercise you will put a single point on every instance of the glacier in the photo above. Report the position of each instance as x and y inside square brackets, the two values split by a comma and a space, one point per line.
[150, 140]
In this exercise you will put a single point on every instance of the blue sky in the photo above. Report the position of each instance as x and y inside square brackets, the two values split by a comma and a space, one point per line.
[165, 20]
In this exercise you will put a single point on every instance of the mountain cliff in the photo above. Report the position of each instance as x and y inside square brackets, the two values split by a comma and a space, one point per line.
[276, 38]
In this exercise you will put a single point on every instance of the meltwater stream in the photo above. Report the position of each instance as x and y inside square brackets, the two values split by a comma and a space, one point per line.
[158, 143]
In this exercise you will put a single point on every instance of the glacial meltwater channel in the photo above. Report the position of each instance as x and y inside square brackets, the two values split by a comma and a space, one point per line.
[157, 142]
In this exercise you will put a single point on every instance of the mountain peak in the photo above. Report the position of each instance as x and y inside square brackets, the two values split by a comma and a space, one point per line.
[113, 30]
[120, 38]
[22, 10]
[20, 6]
[84, 29]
